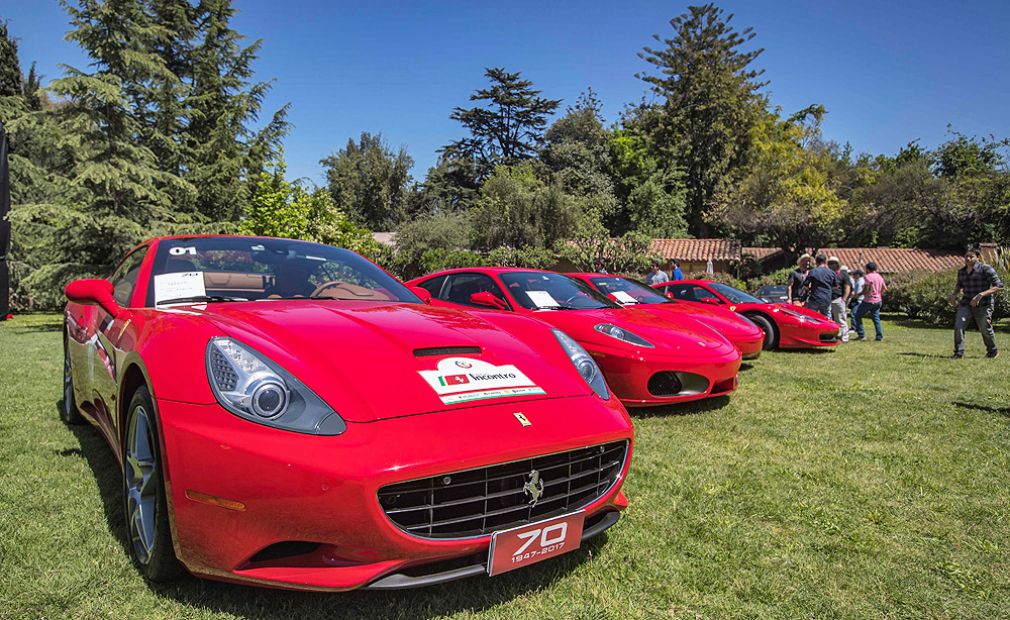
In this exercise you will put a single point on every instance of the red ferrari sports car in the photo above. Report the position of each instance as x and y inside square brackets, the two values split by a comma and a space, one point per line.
[738, 329]
[785, 326]
[647, 360]
[288, 414]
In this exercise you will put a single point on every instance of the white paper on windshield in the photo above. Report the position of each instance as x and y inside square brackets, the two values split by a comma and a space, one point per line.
[542, 299]
[624, 297]
[178, 285]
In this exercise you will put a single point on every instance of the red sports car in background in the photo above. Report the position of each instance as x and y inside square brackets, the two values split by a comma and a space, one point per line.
[647, 360]
[785, 326]
[288, 414]
[738, 329]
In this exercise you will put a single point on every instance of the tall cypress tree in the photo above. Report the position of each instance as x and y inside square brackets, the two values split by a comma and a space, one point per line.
[10, 66]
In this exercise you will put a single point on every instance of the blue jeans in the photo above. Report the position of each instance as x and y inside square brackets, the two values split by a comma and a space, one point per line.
[873, 310]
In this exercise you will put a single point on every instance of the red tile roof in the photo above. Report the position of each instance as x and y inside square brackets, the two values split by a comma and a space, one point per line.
[761, 253]
[697, 249]
[896, 260]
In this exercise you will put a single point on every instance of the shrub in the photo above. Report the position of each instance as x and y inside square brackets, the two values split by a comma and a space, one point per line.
[926, 296]
[775, 278]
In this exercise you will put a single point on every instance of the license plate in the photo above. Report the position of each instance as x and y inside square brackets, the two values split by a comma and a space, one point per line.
[529, 544]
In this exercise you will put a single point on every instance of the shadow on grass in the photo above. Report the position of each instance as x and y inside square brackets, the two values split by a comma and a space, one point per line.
[1003, 411]
[34, 328]
[1000, 327]
[817, 351]
[932, 356]
[468, 595]
[692, 408]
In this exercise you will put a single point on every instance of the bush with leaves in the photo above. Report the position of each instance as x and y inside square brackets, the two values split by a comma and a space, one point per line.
[281, 208]
[925, 296]
[776, 278]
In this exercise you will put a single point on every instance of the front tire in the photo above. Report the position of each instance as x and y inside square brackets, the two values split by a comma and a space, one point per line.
[68, 408]
[146, 508]
[771, 334]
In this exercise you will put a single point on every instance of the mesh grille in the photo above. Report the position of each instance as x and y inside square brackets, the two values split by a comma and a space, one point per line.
[477, 502]
[224, 374]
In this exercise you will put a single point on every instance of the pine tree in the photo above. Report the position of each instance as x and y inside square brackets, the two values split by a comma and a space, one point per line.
[10, 66]
[506, 127]
[710, 102]
[226, 154]
[103, 120]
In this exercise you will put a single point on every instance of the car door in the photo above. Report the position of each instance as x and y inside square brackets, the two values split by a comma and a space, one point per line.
[105, 350]
[459, 287]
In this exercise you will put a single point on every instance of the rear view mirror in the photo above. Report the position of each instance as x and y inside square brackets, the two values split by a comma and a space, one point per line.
[488, 300]
[93, 292]
[423, 293]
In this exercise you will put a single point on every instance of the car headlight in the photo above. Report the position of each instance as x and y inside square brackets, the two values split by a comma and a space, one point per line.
[622, 334]
[584, 363]
[253, 387]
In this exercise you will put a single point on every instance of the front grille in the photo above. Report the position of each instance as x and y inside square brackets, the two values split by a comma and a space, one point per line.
[477, 502]
[828, 337]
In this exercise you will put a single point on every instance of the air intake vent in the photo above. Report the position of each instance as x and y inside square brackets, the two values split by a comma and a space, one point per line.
[432, 351]
[477, 502]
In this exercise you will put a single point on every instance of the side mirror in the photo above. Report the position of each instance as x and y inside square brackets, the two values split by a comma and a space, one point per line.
[93, 292]
[709, 300]
[488, 300]
[423, 293]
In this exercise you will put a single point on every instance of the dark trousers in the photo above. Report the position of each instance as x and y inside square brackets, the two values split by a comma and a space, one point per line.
[873, 310]
[982, 315]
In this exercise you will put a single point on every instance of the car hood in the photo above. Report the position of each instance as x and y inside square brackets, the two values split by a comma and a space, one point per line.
[678, 335]
[727, 323]
[366, 359]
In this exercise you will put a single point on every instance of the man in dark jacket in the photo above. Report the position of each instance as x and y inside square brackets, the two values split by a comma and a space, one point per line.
[978, 282]
[819, 284]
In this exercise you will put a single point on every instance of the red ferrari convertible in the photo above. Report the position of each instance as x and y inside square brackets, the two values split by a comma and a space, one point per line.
[738, 329]
[647, 360]
[785, 326]
[288, 414]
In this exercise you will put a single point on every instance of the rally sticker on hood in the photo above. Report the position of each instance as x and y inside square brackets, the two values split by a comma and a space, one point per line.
[463, 379]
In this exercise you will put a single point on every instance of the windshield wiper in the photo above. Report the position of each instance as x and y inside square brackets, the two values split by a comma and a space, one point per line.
[200, 299]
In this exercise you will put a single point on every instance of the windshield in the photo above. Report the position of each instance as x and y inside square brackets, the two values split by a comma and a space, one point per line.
[551, 291]
[627, 291]
[734, 296]
[217, 269]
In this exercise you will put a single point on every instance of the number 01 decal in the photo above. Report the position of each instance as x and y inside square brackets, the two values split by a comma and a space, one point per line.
[180, 250]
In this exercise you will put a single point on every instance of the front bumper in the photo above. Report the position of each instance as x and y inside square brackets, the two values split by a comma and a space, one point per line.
[322, 491]
[628, 374]
[808, 336]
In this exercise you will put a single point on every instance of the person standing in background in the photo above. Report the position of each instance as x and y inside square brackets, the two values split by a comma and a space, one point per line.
[820, 281]
[857, 295]
[840, 297]
[656, 276]
[978, 282]
[677, 273]
[794, 287]
[873, 298]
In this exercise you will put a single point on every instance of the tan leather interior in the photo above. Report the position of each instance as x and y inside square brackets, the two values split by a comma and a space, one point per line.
[337, 289]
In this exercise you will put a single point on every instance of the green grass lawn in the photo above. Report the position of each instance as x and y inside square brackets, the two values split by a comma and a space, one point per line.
[868, 482]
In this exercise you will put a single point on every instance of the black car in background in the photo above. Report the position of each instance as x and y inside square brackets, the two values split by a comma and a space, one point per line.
[773, 294]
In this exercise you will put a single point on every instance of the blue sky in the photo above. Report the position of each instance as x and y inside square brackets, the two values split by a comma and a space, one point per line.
[888, 72]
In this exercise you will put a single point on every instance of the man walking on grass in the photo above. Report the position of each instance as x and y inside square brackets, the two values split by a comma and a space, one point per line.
[819, 284]
[873, 297]
[978, 282]
[840, 297]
